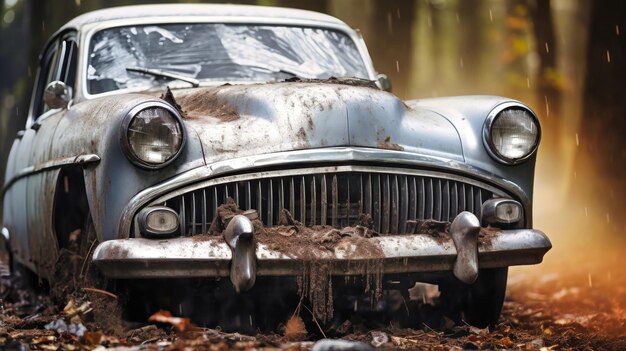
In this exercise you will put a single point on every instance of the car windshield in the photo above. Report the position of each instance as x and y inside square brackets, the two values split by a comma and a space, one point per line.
[143, 57]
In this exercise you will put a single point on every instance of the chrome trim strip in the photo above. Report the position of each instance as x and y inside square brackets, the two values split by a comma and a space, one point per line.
[209, 256]
[82, 159]
[322, 170]
[332, 155]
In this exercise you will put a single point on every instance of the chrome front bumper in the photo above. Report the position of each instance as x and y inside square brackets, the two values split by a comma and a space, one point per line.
[205, 256]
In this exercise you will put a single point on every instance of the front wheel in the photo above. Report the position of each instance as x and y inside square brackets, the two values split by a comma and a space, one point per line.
[477, 304]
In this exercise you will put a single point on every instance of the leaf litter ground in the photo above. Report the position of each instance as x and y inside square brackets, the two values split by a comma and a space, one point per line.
[566, 309]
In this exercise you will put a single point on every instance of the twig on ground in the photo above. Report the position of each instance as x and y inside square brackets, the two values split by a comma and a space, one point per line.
[104, 292]
[315, 320]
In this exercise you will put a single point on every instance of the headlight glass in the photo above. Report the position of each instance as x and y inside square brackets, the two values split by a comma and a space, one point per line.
[514, 134]
[154, 135]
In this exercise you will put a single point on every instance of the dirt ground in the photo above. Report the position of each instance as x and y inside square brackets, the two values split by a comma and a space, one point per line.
[567, 305]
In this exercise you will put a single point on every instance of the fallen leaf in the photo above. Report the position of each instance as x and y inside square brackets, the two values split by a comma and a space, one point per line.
[295, 328]
[43, 339]
[479, 331]
[505, 342]
[92, 338]
[162, 316]
[379, 338]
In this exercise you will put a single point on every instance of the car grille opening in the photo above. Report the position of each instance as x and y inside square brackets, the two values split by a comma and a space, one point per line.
[334, 198]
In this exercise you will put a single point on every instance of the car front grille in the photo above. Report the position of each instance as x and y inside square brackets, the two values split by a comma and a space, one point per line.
[335, 196]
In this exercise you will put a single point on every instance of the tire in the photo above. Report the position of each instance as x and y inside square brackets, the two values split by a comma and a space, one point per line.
[477, 304]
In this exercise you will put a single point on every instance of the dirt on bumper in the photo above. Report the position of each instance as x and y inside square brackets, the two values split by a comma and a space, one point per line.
[209, 255]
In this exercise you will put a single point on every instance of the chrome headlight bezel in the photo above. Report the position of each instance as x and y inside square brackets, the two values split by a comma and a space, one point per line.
[124, 137]
[488, 141]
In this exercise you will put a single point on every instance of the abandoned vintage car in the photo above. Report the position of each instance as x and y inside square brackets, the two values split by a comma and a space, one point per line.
[241, 143]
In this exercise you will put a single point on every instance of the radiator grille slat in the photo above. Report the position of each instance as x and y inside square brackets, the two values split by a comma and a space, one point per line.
[324, 201]
[386, 208]
[336, 199]
[404, 206]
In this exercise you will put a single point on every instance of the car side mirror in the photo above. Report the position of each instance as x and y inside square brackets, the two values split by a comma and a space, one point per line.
[57, 95]
[383, 82]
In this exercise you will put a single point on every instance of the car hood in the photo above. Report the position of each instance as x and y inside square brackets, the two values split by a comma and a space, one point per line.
[244, 120]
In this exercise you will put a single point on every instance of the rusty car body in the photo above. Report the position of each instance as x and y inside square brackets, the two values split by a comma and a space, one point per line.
[279, 110]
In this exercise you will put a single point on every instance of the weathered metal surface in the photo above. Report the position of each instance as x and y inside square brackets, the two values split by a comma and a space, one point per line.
[208, 256]
[292, 116]
[464, 232]
[468, 114]
[412, 163]
[239, 236]
[50, 165]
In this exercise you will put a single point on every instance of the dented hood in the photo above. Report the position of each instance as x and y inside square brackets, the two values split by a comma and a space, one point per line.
[244, 120]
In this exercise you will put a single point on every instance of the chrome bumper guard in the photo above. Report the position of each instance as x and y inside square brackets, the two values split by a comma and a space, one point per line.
[207, 256]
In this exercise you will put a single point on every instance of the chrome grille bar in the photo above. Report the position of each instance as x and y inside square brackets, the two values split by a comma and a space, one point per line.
[335, 198]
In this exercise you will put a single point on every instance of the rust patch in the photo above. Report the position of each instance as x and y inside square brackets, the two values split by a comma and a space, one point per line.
[387, 144]
[302, 134]
[169, 98]
[207, 102]
[486, 236]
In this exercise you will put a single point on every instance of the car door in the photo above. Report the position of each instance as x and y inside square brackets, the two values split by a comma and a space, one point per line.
[32, 174]
[16, 187]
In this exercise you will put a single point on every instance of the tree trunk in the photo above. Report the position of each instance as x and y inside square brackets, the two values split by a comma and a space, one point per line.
[604, 118]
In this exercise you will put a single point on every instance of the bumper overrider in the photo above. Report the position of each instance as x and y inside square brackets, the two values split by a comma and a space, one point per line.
[463, 252]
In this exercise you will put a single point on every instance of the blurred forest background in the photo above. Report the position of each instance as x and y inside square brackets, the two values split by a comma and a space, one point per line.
[565, 58]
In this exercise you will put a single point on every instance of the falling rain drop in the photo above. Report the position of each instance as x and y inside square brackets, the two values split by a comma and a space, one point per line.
[608, 218]
[617, 29]
[608, 56]
[589, 279]
[461, 62]
[547, 47]
[528, 82]
[577, 141]
[397, 66]
[547, 106]
[458, 20]
[490, 15]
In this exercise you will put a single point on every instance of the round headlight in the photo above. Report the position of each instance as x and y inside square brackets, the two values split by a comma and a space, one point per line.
[153, 135]
[512, 134]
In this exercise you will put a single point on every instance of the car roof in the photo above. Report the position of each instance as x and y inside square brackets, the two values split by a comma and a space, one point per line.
[208, 10]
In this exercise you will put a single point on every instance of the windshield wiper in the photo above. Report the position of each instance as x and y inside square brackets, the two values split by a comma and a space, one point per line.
[277, 70]
[160, 73]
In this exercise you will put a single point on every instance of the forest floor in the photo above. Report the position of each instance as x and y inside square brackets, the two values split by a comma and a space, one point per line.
[565, 306]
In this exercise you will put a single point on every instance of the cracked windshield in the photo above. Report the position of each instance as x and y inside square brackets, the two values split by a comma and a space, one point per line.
[122, 58]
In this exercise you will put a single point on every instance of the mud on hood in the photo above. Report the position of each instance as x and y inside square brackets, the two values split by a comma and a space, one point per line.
[243, 120]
